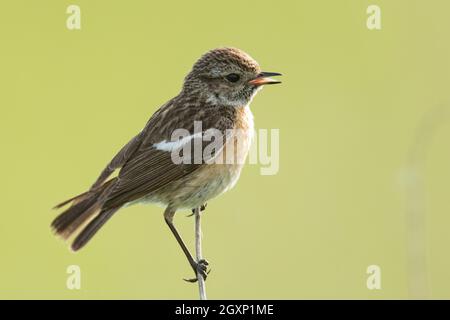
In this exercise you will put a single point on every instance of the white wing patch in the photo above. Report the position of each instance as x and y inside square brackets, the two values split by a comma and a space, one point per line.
[175, 145]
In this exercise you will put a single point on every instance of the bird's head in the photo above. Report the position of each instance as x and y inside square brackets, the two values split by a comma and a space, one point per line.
[227, 76]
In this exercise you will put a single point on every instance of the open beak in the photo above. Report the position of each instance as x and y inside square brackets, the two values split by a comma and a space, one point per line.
[264, 78]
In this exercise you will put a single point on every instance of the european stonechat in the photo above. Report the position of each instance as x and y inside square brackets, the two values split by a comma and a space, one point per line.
[217, 94]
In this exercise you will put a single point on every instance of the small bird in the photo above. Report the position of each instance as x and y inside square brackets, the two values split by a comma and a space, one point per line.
[216, 94]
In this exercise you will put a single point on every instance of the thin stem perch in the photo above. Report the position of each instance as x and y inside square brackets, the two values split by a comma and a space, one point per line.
[199, 254]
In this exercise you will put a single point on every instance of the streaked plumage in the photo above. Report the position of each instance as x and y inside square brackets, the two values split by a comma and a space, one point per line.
[147, 171]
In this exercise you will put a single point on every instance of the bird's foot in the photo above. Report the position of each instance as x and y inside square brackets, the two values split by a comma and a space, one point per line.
[200, 267]
[202, 208]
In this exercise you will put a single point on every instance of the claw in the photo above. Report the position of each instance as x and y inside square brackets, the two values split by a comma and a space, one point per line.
[202, 268]
[204, 262]
[202, 208]
[194, 280]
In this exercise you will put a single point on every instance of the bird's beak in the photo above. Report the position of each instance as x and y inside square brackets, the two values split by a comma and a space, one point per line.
[263, 78]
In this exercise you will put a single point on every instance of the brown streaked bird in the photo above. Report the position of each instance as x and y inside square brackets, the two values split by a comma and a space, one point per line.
[216, 93]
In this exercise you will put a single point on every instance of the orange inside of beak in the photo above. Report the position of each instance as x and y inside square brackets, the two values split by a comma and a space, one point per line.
[262, 81]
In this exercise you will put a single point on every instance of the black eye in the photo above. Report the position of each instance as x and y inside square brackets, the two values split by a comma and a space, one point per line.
[233, 77]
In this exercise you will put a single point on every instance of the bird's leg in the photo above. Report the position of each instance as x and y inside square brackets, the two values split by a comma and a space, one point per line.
[202, 208]
[200, 266]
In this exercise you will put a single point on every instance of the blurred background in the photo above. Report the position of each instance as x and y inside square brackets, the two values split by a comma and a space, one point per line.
[364, 120]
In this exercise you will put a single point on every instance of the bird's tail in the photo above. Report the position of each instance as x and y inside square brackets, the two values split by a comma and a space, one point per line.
[85, 214]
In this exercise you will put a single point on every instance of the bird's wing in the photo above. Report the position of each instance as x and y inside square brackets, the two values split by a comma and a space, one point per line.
[119, 160]
[129, 149]
[151, 167]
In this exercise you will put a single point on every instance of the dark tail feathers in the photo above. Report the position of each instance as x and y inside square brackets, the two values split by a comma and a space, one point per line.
[80, 213]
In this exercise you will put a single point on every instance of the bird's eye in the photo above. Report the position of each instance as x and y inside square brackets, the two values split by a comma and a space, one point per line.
[233, 77]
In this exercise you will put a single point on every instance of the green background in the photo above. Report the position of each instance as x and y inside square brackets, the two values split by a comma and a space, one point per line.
[364, 147]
